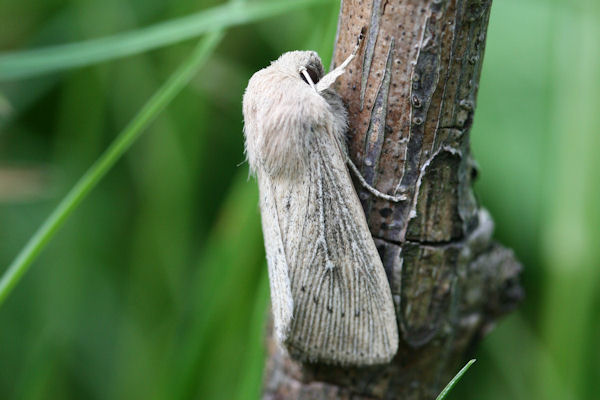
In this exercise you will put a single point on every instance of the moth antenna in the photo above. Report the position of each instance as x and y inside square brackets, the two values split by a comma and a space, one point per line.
[330, 78]
[359, 40]
[371, 189]
[306, 75]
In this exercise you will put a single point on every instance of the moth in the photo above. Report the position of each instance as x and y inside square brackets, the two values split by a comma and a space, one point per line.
[331, 300]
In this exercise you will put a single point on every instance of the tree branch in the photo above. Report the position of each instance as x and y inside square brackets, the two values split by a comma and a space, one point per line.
[411, 96]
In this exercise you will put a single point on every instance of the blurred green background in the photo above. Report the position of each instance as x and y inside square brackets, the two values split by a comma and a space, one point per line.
[156, 286]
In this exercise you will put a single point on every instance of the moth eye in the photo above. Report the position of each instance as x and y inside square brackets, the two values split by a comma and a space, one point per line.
[312, 72]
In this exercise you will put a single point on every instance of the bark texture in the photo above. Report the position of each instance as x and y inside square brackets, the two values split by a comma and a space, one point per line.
[411, 96]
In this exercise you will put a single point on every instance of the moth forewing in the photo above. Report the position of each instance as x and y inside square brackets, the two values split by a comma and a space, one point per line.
[331, 298]
[279, 280]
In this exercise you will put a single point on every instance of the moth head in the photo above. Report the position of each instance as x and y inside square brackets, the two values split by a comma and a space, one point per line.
[283, 105]
[306, 65]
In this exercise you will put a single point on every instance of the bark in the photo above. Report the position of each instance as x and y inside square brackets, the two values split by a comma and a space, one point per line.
[411, 96]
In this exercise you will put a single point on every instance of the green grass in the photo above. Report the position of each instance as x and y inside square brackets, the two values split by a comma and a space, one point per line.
[155, 285]
[23, 64]
[454, 381]
[163, 96]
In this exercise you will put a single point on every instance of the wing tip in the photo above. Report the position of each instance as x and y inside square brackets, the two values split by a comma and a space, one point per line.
[315, 355]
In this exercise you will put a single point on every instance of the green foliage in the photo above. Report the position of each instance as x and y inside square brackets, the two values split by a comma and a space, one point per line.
[24, 64]
[454, 381]
[163, 96]
[155, 287]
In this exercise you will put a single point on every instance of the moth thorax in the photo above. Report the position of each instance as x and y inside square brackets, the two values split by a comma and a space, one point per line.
[284, 153]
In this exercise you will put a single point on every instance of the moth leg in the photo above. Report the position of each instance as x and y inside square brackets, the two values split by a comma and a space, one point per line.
[371, 189]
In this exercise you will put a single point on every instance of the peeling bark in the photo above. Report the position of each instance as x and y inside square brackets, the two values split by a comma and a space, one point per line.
[411, 97]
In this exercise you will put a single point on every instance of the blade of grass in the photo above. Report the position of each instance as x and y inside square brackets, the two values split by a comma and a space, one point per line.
[454, 381]
[251, 379]
[30, 63]
[218, 296]
[118, 147]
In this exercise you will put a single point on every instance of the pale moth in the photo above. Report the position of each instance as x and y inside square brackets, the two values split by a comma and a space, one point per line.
[330, 297]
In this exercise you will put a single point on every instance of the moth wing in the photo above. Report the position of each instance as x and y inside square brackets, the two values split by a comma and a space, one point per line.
[279, 280]
[343, 311]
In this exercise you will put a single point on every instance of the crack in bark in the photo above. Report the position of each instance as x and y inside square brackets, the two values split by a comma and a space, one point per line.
[440, 244]
[376, 131]
[376, 12]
